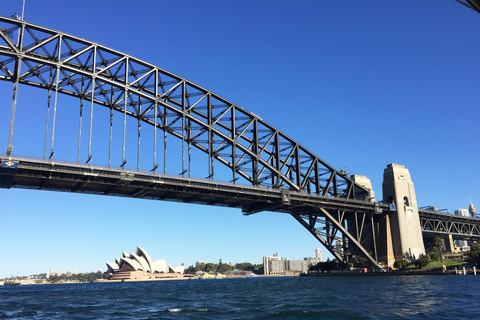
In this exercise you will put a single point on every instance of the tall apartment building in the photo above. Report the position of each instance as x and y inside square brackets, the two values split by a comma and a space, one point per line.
[296, 265]
[314, 260]
[273, 264]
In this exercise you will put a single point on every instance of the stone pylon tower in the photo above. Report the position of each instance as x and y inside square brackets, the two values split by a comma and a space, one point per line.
[405, 229]
[364, 182]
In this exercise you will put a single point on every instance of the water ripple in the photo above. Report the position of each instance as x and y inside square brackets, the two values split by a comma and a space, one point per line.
[412, 297]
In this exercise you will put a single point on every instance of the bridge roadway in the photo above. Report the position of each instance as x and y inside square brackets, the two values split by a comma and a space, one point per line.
[39, 174]
[52, 175]
[435, 223]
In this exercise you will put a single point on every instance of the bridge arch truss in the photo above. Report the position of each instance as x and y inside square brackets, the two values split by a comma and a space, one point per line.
[251, 148]
[254, 151]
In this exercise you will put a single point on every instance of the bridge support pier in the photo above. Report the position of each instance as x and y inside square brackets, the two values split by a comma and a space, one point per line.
[449, 244]
[385, 244]
[406, 232]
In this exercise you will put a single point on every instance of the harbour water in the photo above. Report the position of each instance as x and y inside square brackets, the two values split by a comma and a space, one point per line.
[396, 297]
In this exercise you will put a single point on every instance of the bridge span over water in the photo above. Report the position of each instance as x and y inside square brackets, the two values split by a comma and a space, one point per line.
[102, 108]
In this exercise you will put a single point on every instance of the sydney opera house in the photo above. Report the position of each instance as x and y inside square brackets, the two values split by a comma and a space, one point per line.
[140, 267]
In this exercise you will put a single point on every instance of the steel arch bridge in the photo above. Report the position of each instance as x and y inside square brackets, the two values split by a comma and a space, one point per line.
[260, 169]
[251, 148]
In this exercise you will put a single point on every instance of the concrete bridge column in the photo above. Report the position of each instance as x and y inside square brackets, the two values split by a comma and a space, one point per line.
[449, 244]
[384, 242]
[405, 226]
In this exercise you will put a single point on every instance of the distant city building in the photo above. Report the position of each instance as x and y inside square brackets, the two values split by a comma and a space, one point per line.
[269, 268]
[76, 271]
[49, 273]
[296, 265]
[59, 273]
[69, 273]
[462, 244]
[312, 261]
[471, 209]
[276, 266]
[279, 265]
[315, 260]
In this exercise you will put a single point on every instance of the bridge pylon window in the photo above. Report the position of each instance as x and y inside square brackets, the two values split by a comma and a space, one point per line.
[390, 199]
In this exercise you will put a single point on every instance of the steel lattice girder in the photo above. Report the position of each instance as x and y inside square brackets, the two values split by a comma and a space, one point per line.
[348, 235]
[461, 228]
[238, 139]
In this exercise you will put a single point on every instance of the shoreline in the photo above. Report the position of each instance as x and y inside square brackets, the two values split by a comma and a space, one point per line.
[389, 274]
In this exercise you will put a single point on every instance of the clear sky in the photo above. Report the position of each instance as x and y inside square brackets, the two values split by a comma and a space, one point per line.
[360, 83]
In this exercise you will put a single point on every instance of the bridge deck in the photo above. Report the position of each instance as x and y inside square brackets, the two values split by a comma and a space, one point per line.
[72, 177]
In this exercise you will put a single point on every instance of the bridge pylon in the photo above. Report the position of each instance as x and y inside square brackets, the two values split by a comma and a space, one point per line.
[402, 224]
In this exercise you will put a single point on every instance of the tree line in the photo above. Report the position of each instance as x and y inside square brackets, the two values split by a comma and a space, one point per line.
[224, 267]
[82, 277]
[434, 253]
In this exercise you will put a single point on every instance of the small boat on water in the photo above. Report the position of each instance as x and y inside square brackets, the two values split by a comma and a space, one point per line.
[11, 282]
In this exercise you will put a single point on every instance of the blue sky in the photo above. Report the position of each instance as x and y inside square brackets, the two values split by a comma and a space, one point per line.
[360, 84]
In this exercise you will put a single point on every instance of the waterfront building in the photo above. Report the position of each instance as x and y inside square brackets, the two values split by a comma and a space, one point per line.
[312, 260]
[315, 260]
[49, 273]
[180, 269]
[267, 265]
[276, 266]
[296, 265]
[140, 267]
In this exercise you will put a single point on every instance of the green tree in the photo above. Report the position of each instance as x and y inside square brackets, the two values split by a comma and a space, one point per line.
[435, 254]
[83, 277]
[473, 256]
[211, 267]
[433, 248]
[224, 267]
[437, 242]
[258, 268]
[422, 261]
[200, 267]
[401, 264]
[325, 266]
[244, 266]
[190, 270]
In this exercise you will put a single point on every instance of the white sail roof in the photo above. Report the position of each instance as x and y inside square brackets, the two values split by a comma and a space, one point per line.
[144, 254]
[133, 263]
